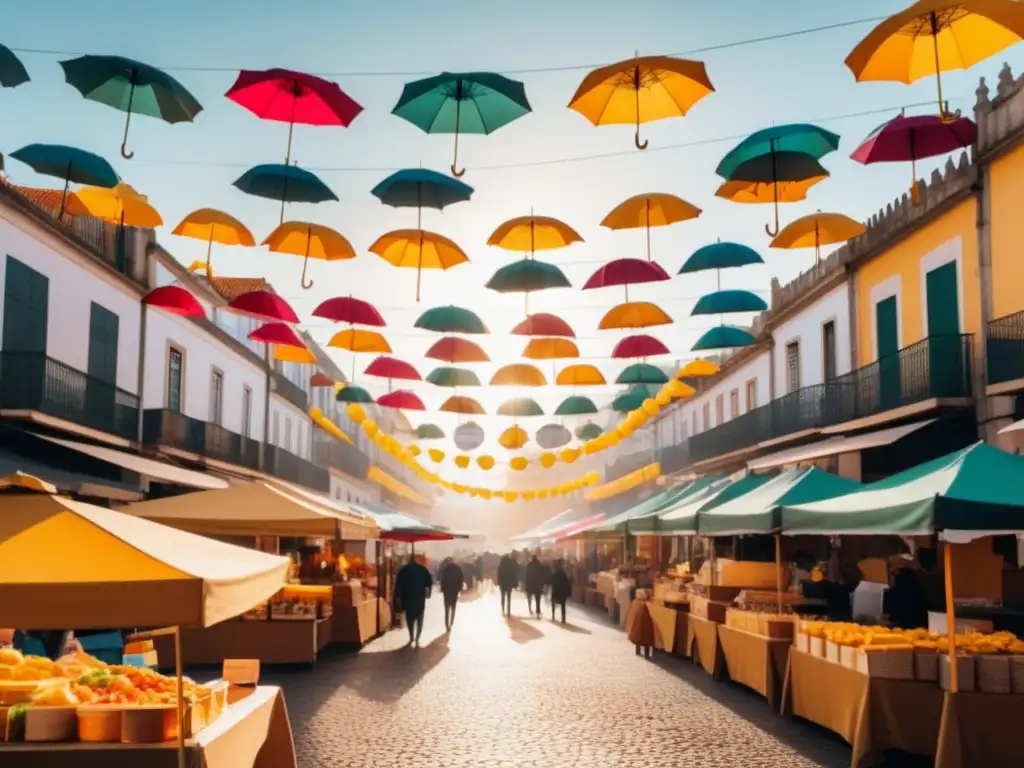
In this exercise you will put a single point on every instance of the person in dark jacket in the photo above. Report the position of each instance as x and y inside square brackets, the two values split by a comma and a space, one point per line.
[452, 581]
[837, 594]
[535, 582]
[508, 580]
[561, 588]
[412, 588]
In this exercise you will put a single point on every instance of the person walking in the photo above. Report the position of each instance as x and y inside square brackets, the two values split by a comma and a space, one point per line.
[535, 582]
[452, 581]
[561, 588]
[412, 588]
[508, 580]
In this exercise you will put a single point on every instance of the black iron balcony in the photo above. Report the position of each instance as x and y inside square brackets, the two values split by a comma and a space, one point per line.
[1005, 348]
[674, 457]
[289, 390]
[176, 430]
[31, 381]
[334, 454]
[295, 469]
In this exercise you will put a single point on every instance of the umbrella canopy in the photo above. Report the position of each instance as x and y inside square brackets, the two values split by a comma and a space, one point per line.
[350, 393]
[720, 256]
[527, 276]
[311, 241]
[724, 302]
[528, 234]
[418, 249]
[583, 375]
[640, 90]
[392, 368]
[639, 345]
[906, 139]
[520, 406]
[642, 373]
[629, 401]
[552, 436]
[468, 436]
[396, 526]
[132, 87]
[513, 438]
[575, 405]
[277, 333]
[653, 209]
[797, 138]
[697, 369]
[214, 226]
[265, 305]
[345, 309]
[286, 183]
[421, 188]
[462, 102]
[429, 432]
[543, 324]
[12, 71]
[452, 349]
[724, 337]
[176, 300]
[304, 356]
[739, 191]
[407, 401]
[588, 431]
[451, 319]
[319, 379]
[120, 205]
[626, 272]
[518, 375]
[634, 314]
[550, 349]
[452, 377]
[679, 516]
[818, 229]
[68, 164]
[462, 404]
[359, 340]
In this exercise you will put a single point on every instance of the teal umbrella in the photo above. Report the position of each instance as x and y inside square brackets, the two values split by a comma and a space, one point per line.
[642, 373]
[724, 302]
[446, 376]
[520, 406]
[12, 71]
[724, 337]
[131, 86]
[527, 276]
[69, 164]
[631, 400]
[720, 256]
[462, 102]
[287, 183]
[451, 319]
[588, 431]
[576, 405]
[353, 394]
[429, 432]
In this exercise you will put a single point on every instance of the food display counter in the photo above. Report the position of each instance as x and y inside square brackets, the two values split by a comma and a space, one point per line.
[755, 660]
[670, 626]
[355, 617]
[702, 643]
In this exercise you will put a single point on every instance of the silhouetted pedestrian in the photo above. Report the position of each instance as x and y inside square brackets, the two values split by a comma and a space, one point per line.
[535, 582]
[412, 588]
[508, 580]
[561, 588]
[452, 581]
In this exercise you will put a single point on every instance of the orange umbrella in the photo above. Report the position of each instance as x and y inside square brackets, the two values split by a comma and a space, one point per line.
[816, 230]
[452, 349]
[528, 234]
[550, 349]
[696, 369]
[580, 376]
[214, 226]
[359, 340]
[311, 241]
[518, 375]
[301, 355]
[634, 314]
[462, 404]
[419, 249]
[653, 209]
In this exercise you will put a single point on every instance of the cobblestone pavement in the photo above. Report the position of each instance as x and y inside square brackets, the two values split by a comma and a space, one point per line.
[530, 693]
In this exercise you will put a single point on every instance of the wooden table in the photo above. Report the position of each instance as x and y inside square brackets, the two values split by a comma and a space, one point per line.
[357, 624]
[702, 637]
[277, 641]
[755, 661]
[669, 628]
[981, 729]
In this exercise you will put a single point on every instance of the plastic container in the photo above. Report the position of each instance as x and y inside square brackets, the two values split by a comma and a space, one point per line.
[50, 724]
[99, 723]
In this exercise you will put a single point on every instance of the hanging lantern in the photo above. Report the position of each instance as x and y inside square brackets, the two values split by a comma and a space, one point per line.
[485, 463]
[518, 463]
[436, 455]
[547, 460]
[356, 413]
[468, 436]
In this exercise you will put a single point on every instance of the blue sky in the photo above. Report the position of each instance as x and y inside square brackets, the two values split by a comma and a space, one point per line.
[184, 167]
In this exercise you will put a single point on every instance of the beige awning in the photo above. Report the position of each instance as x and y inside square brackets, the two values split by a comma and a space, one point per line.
[254, 509]
[835, 446]
[1017, 426]
[357, 518]
[158, 470]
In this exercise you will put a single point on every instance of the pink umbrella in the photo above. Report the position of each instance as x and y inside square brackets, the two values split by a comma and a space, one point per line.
[277, 333]
[640, 345]
[626, 272]
[345, 309]
[264, 305]
[176, 300]
[391, 368]
[544, 324]
[403, 399]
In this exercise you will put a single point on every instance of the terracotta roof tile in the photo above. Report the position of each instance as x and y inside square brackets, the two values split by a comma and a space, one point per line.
[233, 287]
[47, 199]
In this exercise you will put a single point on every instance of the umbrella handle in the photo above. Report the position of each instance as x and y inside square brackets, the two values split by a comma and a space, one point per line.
[636, 140]
[307, 284]
[127, 123]
[455, 158]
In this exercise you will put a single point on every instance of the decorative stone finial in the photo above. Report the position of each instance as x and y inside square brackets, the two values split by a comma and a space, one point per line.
[982, 94]
[1005, 81]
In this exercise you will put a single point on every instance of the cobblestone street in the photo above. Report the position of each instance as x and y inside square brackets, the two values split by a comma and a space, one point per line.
[530, 693]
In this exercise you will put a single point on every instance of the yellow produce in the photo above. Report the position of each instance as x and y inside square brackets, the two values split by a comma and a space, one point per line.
[9, 657]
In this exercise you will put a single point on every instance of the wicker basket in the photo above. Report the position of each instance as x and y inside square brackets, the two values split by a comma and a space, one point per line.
[889, 665]
[1017, 674]
[965, 668]
[993, 673]
[817, 646]
[832, 651]
[926, 666]
[803, 642]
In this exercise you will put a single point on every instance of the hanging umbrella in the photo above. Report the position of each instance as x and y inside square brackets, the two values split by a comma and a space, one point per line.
[550, 349]
[303, 356]
[527, 276]
[429, 432]
[214, 226]
[392, 368]
[720, 256]
[640, 345]
[528, 234]
[12, 71]
[767, 191]
[552, 436]
[286, 183]
[462, 404]
[580, 376]
[642, 373]
[626, 272]
[575, 405]
[513, 438]
[697, 369]
[403, 399]
[653, 209]
[468, 436]
[462, 102]
[120, 205]
[359, 340]
[319, 379]
[69, 164]
[176, 300]
[520, 407]
[543, 324]
[264, 305]
[451, 319]
[724, 337]
[311, 241]
[588, 431]
[634, 314]
[277, 333]
[421, 188]
[293, 97]
[631, 400]
[518, 375]
[446, 376]
[641, 90]
[350, 393]
[418, 249]
[345, 309]
[452, 349]
[724, 302]
[818, 229]
[909, 139]
[131, 86]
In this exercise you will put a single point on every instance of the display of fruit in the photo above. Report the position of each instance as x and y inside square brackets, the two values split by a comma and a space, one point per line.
[886, 638]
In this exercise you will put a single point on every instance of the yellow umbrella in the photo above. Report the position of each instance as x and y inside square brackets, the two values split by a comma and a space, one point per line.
[518, 375]
[462, 404]
[580, 376]
[634, 314]
[419, 249]
[288, 354]
[654, 209]
[767, 192]
[641, 90]
[514, 437]
[550, 349]
[360, 340]
[527, 234]
[311, 241]
[26, 482]
[214, 226]
[816, 230]
[120, 205]
[697, 369]
[935, 36]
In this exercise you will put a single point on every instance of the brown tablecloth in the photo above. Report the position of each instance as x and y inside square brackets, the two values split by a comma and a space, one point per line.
[981, 729]
[279, 641]
[871, 714]
[252, 733]
[704, 635]
[755, 661]
[666, 625]
[639, 625]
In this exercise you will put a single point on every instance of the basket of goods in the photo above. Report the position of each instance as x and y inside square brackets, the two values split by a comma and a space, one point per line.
[965, 672]
[885, 655]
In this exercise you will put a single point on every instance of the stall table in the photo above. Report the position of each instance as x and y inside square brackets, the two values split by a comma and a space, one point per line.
[703, 634]
[980, 729]
[356, 624]
[252, 733]
[277, 641]
[756, 661]
[669, 628]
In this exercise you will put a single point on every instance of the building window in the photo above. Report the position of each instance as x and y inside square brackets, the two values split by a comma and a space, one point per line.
[706, 416]
[246, 411]
[751, 395]
[719, 410]
[216, 396]
[287, 434]
[793, 366]
[734, 404]
[828, 350]
[348, 496]
[276, 436]
[26, 308]
[175, 378]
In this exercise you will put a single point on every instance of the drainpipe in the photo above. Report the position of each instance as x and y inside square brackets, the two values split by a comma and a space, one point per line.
[266, 410]
[979, 356]
[140, 380]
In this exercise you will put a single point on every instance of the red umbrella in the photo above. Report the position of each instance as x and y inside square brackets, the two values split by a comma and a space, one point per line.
[293, 97]
[401, 398]
[543, 324]
[264, 305]
[319, 379]
[452, 349]
[640, 345]
[626, 272]
[345, 309]
[176, 300]
[277, 333]
[391, 368]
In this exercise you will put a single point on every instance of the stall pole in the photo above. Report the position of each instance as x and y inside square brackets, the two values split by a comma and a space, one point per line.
[954, 677]
[380, 581]
[180, 683]
[778, 569]
[711, 557]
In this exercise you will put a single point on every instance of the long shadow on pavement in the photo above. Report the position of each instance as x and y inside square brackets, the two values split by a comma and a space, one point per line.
[567, 627]
[522, 631]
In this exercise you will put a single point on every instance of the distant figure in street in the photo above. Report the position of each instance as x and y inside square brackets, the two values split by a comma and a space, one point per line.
[561, 588]
[535, 580]
[508, 580]
[452, 582]
[412, 588]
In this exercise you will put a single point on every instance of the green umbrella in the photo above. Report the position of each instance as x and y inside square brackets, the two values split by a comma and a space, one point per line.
[720, 256]
[588, 431]
[451, 319]
[429, 432]
[462, 102]
[446, 376]
[353, 394]
[520, 406]
[630, 401]
[724, 302]
[642, 373]
[131, 86]
[527, 276]
[724, 337]
[12, 71]
[576, 405]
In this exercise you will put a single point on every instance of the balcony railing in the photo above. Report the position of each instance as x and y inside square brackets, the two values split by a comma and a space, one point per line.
[176, 430]
[289, 390]
[31, 381]
[674, 457]
[334, 454]
[1005, 348]
[936, 367]
[296, 469]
